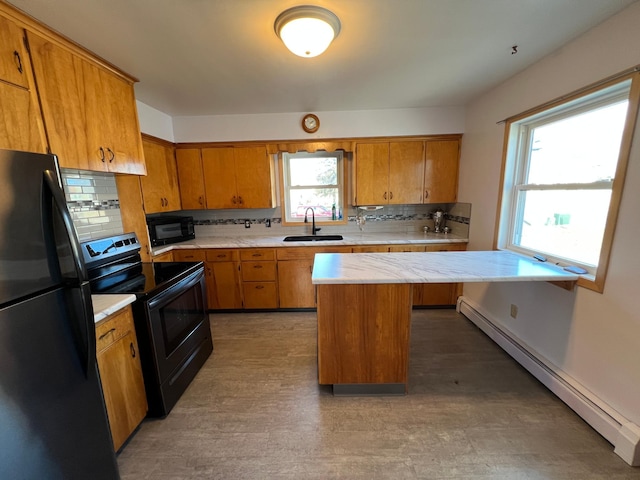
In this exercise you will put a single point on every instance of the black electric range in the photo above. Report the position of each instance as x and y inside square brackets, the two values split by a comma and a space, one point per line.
[170, 313]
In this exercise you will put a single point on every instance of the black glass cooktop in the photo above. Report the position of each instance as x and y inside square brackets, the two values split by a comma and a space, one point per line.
[144, 278]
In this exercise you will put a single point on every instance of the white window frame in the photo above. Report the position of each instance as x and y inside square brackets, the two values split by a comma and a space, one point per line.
[518, 137]
[287, 188]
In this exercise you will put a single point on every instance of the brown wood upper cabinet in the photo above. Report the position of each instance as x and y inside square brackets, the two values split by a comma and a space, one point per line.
[191, 178]
[389, 173]
[13, 58]
[160, 186]
[238, 177]
[89, 112]
[20, 119]
[441, 171]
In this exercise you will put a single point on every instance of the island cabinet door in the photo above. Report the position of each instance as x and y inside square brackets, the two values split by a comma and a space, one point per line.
[363, 334]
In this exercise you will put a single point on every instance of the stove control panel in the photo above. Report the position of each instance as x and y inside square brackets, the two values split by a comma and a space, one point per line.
[103, 250]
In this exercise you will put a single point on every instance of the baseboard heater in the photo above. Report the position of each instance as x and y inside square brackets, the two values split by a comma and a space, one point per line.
[624, 435]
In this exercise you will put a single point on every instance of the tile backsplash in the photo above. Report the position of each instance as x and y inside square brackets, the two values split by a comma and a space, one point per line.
[391, 218]
[92, 199]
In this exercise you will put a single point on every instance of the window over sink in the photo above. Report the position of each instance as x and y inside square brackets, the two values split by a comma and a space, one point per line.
[313, 180]
[563, 173]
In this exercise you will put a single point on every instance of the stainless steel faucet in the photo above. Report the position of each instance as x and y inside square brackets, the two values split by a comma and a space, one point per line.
[314, 230]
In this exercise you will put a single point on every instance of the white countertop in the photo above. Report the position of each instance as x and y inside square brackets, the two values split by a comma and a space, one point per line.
[432, 267]
[264, 241]
[105, 305]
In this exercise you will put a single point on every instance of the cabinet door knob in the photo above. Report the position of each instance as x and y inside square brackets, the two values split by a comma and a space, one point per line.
[133, 350]
[16, 57]
[426, 194]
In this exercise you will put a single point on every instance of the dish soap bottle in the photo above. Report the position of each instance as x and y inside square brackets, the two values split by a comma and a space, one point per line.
[333, 212]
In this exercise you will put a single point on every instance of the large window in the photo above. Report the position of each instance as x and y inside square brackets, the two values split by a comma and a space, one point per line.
[563, 176]
[313, 180]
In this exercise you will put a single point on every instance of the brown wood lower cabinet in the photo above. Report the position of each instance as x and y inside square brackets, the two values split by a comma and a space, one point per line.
[295, 266]
[270, 278]
[259, 279]
[223, 279]
[121, 374]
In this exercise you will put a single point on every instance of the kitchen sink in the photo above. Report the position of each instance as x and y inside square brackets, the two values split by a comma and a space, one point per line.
[312, 238]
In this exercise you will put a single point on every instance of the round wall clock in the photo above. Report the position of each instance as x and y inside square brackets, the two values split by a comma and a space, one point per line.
[310, 123]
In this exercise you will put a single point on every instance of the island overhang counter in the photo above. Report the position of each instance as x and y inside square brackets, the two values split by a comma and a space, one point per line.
[364, 308]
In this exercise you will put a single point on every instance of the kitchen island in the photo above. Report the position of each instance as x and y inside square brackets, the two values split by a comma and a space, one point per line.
[364, 308]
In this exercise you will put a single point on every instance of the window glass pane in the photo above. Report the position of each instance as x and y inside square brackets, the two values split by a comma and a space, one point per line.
[313, 171]
[583, 148]
[313, 180]
[320, 199]
[564, 223]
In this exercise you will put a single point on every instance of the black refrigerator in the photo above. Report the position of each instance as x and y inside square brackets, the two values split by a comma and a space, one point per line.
[53, 423]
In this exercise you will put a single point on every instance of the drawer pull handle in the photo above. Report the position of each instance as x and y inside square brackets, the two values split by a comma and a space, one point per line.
[106, 333]
[259, 287]
[133, 350]
[222, 255]
[257, 266]
[256, 255]
[188, 256]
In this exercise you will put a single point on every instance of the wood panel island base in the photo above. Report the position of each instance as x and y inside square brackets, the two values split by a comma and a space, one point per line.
[364, 308]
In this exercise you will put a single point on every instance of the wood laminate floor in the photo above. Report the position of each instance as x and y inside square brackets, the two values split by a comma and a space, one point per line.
[255, 411]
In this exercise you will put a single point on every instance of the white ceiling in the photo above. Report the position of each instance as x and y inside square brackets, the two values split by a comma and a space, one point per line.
[215, 57]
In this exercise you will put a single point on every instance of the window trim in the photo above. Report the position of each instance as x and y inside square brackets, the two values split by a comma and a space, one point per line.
[507, 175]
[342, 173]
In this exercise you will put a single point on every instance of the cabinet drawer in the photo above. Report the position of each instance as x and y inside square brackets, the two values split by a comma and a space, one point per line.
[189, 255]
[305, 253]
[222, 255]
[113, 327]
[257, 254]
[258, 271]
[406, 248]
[260, 295]
[370, 249]
[446, 247]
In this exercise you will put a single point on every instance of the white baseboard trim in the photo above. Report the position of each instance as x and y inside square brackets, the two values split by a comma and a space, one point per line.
[624, 435]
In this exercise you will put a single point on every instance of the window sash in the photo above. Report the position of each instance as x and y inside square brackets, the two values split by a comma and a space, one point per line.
[518, 138]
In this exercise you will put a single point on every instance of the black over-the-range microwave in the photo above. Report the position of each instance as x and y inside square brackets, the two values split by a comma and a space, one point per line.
[164, 230]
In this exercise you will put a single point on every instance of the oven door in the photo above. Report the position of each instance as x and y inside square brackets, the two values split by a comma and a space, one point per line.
[178, 321]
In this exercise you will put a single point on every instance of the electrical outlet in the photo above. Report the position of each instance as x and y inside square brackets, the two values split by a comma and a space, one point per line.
[247, 224]
[514, 311]
[267, 223]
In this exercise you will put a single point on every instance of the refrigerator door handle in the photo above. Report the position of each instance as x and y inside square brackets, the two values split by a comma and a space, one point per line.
[87, 306]
[50, 180]
[86, 326]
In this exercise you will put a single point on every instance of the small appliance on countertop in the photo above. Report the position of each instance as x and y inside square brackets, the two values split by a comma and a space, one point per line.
[170, 313]
[170, 229]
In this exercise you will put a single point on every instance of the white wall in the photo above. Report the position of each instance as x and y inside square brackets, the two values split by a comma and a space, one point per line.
[286, 126]
[594, 338]
[154, 122]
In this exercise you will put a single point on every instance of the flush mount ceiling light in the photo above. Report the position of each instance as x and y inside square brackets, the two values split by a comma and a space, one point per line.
[307, 30]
